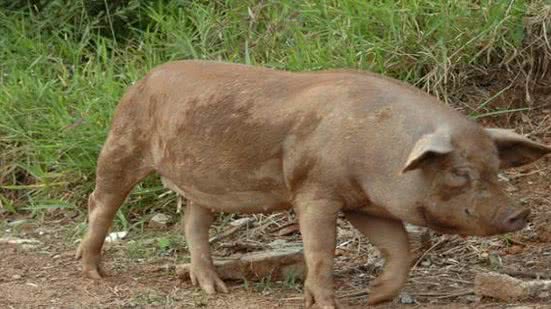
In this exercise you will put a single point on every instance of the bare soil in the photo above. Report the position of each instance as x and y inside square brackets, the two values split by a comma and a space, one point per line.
[47, 276]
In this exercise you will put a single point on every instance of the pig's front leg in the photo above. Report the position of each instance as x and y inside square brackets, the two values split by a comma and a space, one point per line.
[317, 220]
[391, 238]
[197, 221]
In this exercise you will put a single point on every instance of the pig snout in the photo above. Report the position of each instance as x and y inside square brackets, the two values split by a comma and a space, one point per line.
[511, 220]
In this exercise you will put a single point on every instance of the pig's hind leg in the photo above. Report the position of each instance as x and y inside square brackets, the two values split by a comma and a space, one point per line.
[391, 238]
[197, 221]
[121, 165]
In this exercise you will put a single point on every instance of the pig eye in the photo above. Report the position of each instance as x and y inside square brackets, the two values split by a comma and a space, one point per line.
[457, 177]
[460, 172]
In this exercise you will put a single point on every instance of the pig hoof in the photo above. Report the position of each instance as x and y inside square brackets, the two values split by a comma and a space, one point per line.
[208, 280]
[382, 291]
[94, 274]
[375, 299]
[319, 301]
[92, 271]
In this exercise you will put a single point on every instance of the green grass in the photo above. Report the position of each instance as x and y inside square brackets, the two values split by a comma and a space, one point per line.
[162, 244]
[64, 65]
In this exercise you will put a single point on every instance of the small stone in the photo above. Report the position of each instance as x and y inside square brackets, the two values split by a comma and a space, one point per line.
[16, 277]
[18, 222]
[242, 221]
[484, 256]
[116, 236]
[406, 299]
[159, 221]
[426, 263]
[473, 298]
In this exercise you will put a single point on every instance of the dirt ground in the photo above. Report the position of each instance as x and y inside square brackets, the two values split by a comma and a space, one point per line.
[46, 275]
[141, 274]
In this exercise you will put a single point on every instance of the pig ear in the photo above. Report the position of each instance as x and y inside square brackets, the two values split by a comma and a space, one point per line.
[427, 148]
[516, 150]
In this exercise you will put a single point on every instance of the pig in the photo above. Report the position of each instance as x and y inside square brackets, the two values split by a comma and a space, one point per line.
[242, 139]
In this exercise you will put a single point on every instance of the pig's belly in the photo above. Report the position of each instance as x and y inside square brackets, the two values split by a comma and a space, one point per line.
[233, 202]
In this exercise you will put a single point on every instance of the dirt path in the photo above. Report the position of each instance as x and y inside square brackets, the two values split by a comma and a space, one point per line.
[50, 279]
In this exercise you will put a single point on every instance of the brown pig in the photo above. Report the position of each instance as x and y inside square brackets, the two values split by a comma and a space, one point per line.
[237, 138]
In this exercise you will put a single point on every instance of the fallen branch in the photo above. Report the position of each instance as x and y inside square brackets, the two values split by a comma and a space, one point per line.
[526, 274]
[446, 295]
[232, 230]
[365, 292]
[507, 288]
[279, 264]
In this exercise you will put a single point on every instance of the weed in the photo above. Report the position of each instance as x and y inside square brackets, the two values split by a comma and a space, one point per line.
[264, 286]
[138, 250]
[160, 245]
[292, 281]
[152, 298]
[66, 63]
[170, 244]
[200, 299]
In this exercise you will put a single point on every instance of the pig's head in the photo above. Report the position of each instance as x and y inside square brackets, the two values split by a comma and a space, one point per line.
[461, 172]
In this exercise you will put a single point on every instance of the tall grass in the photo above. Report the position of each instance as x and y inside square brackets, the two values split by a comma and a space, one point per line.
[64, 65]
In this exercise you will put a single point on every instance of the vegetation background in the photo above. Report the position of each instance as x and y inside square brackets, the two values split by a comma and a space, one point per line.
[64, 64]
